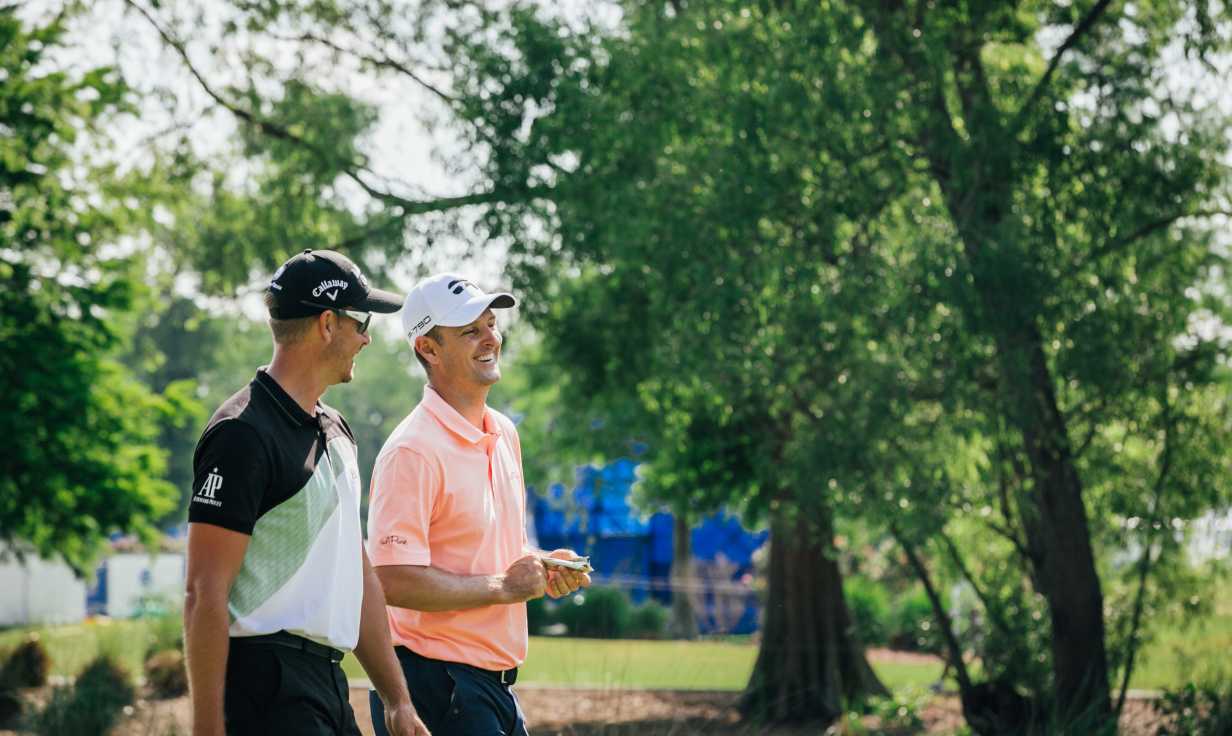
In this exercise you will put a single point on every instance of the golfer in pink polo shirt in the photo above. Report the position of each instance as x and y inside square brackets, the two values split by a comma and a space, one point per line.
[447, 523]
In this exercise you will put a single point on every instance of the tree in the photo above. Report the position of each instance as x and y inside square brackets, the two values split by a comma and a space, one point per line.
[80, 459]
[896, 255]
[172, 347]
[713, 160]
[1042, 187]
[682, 328]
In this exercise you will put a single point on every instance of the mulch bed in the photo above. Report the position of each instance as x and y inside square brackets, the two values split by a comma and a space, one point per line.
[591, 712]
[561, 712]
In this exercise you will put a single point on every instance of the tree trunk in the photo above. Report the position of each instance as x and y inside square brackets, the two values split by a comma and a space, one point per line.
[683, 622]
[1059, 539]
[810, 664]
[1055, 519]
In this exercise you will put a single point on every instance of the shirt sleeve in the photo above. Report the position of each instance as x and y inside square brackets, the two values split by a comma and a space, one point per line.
[405, 487]
[231, 474]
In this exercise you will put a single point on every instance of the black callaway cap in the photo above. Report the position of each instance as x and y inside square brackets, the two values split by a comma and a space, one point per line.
[316, 280]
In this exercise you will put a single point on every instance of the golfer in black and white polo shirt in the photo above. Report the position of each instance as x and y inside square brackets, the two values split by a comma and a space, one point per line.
[279, 584]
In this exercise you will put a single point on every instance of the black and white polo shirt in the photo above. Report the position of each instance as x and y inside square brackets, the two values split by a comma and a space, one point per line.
[290, 479]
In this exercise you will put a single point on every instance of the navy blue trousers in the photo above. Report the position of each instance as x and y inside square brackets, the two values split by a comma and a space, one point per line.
[455, 699]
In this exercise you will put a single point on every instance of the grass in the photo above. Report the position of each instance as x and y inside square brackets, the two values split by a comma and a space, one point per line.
[1175, 657]
[661, 665]
[1187, 653]
[72, 647]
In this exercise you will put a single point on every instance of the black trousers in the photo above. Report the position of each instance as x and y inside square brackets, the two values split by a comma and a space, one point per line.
[275, 688]
[455, 699]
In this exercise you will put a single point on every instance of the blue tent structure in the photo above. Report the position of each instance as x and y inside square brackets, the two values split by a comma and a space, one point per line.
[635, 552]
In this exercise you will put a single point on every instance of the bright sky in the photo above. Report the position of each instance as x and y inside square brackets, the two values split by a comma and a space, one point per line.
[404, 152]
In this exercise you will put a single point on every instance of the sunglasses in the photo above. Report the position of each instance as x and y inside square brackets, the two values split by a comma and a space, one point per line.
[363, 318]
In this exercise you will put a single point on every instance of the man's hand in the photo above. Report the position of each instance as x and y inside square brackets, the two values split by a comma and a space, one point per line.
[404, 721]
[563, 581]
[525, 579]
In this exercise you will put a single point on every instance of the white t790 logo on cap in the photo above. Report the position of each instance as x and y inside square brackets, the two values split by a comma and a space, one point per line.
[420, 324]
[325, 286]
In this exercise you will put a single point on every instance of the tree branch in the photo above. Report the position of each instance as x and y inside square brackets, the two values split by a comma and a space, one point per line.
[960, 563]
[1144, 564]
[938, 136]
[1006, 456]
[1009, 536]
[1151, 228]
[402, 206]
[943, 620]
[1080, 30]
[382, 62]
[1093, 430]
[385, 61]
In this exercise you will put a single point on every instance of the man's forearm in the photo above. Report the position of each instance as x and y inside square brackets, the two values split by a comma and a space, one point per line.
[206, 646]
[425, 588]
[375, 650]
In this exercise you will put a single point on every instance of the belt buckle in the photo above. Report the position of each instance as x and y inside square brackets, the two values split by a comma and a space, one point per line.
[502, 676]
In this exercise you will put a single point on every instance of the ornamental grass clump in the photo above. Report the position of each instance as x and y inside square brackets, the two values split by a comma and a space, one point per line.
[91, 705]
[27, 666]
[165, 674]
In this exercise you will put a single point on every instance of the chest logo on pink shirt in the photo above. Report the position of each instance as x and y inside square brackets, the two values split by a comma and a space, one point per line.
[393, 539]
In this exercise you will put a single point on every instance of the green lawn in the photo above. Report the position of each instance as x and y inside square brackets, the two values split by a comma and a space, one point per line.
[1197, 652]
[72, 647]
[1173, 658]
[702, 665]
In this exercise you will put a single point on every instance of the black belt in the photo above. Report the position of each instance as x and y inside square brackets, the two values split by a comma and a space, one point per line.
[284, 639]
[504, 677]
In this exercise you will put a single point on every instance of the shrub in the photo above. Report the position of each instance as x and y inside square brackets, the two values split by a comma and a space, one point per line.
[597, 612]
[156, 605]
[165, 673]
[869, 607]
[1197, 709]
[27, 666]
[912, 626]
[648, 621]
[899, 714]
[91, 705]
[10, 708]
[541, 613]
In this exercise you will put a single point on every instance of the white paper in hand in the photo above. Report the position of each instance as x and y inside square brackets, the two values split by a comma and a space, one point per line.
[582, 564]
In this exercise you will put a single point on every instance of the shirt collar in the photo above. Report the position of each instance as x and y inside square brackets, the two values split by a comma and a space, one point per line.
[450, 419]
[289, 406]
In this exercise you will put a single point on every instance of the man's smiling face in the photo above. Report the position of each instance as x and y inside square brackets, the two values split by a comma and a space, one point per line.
[471, 353]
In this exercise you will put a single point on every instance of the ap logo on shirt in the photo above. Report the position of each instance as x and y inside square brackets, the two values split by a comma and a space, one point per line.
[209, 489]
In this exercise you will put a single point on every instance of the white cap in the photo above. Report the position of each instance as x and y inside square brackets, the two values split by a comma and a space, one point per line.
[448, 300]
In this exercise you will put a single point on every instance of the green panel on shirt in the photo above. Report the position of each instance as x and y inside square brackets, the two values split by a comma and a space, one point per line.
[281, 540]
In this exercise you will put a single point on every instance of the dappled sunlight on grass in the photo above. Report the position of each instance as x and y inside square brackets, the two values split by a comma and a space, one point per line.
[615, 664]
[71, 647]
[1186, 653]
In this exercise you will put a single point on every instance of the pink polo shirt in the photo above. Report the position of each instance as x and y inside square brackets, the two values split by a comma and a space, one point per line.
[447, 494]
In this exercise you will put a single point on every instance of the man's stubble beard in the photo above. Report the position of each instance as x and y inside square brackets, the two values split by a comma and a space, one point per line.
[346, 365]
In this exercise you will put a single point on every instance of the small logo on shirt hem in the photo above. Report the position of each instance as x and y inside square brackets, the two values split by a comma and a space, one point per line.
[393, 539]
